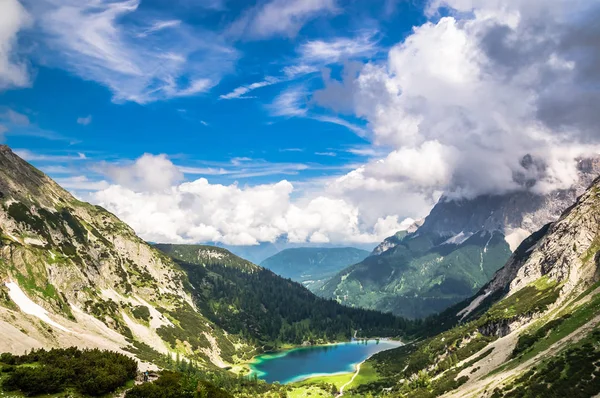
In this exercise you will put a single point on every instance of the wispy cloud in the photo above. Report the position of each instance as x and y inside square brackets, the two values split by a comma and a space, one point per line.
[84, 120]
[291, 150]
[138, 60]
[158, 26]
[338, 49]
[32, 156]
[13, 18]
[358, 130]
[313, 56]
[241, 91]
[331, 154]
[291, 102]
[243, 167]
[82, 183]
[367, 151]
[280, 17]
[16, 118]
[16, 123]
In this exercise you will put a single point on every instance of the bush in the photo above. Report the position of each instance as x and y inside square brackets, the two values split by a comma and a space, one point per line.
[141, 312]
[8, 368]
[170, 385]
[7, 358]
[89, 372]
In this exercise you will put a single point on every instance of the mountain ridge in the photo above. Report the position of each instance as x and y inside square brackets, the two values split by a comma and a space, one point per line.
[531, 331]
[74, 274]
[455, 251]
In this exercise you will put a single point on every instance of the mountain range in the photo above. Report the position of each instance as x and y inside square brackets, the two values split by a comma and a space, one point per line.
[532, 331]
[74, 274]
[313, 266]
[456, 250]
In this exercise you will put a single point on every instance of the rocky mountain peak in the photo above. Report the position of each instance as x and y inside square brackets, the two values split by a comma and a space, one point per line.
[565, 252]
[23, 182]
[515, 214]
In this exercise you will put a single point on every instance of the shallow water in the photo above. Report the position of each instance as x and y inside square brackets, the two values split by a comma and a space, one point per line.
[304, 362]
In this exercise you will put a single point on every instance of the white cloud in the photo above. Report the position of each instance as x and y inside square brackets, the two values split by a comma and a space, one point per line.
[240, 92]
[291, 102]
[465, 97]
[291, 150]
[280, 17]
[294, 101]
[33, 157]
[158, 26]
[245, 168]
[330, 154]
[13, 71]
[338, 49]
[294, 71]
[150, 196]
[140, 61]
[148, 173]
[360, 131]
[15, 118]
[84, 120]
[80, 183]
[312, 56]
[199, 211]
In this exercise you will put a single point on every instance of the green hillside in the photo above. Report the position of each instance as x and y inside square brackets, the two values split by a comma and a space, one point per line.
[267, 310]
[421, 275]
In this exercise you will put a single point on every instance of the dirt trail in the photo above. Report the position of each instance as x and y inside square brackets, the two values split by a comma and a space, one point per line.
[341, 393]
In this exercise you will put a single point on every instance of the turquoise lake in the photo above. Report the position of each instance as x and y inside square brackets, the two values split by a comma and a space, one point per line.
[304, 362]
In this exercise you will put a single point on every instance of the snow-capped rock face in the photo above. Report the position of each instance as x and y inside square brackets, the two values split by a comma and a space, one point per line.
[516, 215]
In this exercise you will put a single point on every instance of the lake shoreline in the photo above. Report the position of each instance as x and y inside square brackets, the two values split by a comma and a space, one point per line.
[256, 361]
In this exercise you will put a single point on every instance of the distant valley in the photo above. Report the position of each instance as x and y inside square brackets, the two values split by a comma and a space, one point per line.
[313, 266]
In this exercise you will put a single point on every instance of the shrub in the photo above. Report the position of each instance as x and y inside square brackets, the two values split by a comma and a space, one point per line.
[89, 372]
[141, 312]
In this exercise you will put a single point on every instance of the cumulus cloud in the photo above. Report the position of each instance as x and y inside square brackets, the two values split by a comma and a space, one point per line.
[149, 196]
[148, 173]
[143, 61]
[13, 71]
[466, 97]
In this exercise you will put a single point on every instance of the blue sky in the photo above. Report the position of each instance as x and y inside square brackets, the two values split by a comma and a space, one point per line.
[73, 110]
[315, 121]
